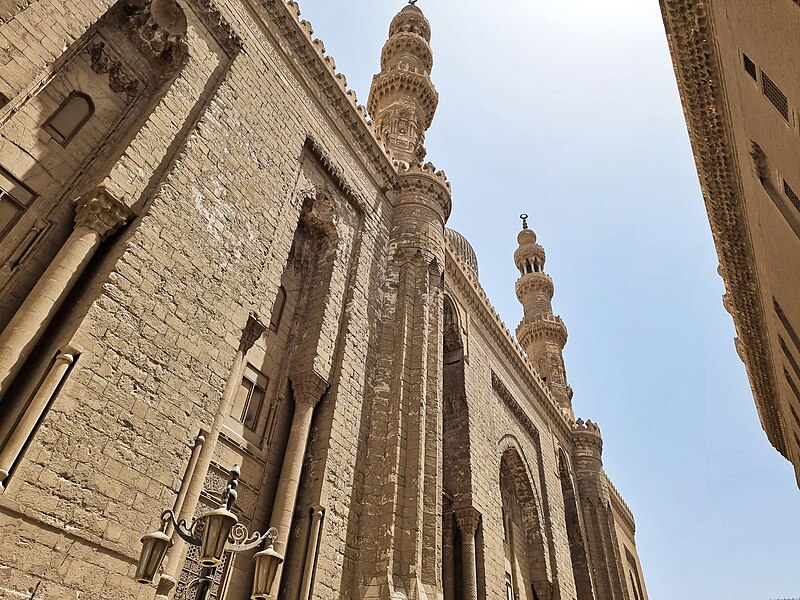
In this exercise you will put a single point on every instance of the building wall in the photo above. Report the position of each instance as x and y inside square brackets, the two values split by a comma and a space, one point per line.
[743, 70]
[245, 166]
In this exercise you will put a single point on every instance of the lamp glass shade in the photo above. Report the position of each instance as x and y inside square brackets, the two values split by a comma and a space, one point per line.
[219, 523]
[154, 548]
[267, 562]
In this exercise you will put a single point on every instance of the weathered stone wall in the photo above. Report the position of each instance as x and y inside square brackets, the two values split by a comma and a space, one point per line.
[218, 168]
[213, 174]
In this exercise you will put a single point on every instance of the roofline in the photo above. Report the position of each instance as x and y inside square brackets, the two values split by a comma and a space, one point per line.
[698, 69]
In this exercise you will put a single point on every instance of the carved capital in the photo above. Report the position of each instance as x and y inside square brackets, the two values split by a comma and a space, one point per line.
[308, 388]
[468, 519]
[252, 331]
[101, 212]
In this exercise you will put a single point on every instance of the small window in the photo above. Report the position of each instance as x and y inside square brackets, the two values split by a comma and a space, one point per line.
[790, 193]
[750, 67]
[15, 197]
[774, 94]
[509, 587]
[277, 309]
[64, 124]
[250, 398]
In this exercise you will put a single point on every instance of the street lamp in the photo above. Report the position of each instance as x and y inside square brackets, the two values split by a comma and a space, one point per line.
[216, 532]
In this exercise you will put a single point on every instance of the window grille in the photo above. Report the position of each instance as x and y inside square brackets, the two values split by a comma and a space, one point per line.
[750, 67]
[774, 94]
[791, 195]
[15, 197]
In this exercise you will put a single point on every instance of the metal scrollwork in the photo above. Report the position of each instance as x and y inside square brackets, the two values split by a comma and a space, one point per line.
[241, 540]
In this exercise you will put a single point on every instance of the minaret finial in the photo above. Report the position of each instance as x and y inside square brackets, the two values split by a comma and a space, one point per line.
[524, 218]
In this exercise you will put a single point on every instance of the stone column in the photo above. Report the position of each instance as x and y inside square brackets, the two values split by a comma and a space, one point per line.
[468, 520]
[317, 512]
[97, 216]
[23, 430]
[448, 564]
[308, 389]
[252, 331]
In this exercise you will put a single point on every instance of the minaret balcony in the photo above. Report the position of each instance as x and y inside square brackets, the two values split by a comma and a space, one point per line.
[542, 328]
[536, 285]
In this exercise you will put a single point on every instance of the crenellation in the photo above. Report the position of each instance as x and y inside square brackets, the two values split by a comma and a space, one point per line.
[380, 397]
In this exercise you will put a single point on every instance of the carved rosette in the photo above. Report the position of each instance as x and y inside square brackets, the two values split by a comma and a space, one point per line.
[101, 212]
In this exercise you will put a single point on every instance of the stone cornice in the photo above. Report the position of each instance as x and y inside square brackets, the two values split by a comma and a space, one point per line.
[620, 506]
[230, 43]
[691, 38]
[460, 277]
[307, 56]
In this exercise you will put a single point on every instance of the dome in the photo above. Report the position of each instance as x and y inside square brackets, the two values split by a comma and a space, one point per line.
[463, 249]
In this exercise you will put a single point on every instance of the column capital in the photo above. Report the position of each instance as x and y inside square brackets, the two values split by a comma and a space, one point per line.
[253, 330]
[308, 388]
[101, 212]
[468, 519]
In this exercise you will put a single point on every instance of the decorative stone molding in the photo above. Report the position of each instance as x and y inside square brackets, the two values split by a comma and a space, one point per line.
[156, 27]
[251, 333]
[308, 57]
[119, 79]
[308, 388]
[468, 519]
[535, 283]
[620, 506]
[690, 33]
[587, 440]
[542, 328]
[515, 407]
[101, 212]
[316, 149]
[230, 43]
[423, 182]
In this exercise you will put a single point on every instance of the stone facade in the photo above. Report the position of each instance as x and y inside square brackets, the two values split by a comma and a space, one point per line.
[210, 255]
[741, 96]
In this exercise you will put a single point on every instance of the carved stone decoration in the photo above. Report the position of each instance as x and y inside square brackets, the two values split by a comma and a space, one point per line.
[699, 72]
[119, 79]
[157, 27]
[219, 28]
[101, 212]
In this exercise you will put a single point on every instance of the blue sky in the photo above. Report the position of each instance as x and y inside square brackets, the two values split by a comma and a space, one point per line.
[569, 111]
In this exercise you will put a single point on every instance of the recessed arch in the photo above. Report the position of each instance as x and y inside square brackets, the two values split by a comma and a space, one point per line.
[526, 549]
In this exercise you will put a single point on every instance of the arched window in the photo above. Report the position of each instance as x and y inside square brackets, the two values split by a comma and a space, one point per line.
[277, 309]
[68, 119]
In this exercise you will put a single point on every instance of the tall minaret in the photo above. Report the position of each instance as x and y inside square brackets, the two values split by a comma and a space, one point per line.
[403, 100]
[541, 334]
[400, 521]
